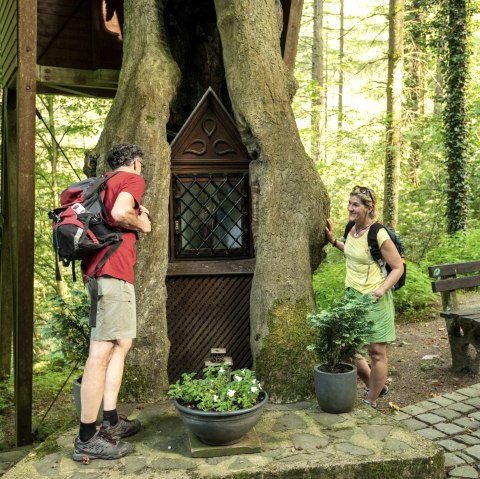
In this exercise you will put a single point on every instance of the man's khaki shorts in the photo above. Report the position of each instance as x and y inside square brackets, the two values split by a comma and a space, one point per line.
[116, 310]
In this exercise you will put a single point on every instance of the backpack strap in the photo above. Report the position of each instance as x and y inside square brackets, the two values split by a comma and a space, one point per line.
[348, 227]
[97, 189]
[104, 259]
[372, 241]
[374, 248]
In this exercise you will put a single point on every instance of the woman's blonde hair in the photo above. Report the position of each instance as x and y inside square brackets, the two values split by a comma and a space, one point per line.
[367, 197]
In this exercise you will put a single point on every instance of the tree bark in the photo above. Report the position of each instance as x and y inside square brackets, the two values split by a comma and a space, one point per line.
[455, 117]
[53, 153]
[340, 65]
[290, 198]
[416, 83]
[139, 114]
[394, 113]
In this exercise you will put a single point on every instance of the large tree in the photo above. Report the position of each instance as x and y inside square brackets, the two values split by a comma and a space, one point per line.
[172, 52]
[394, 113]
[455, 118]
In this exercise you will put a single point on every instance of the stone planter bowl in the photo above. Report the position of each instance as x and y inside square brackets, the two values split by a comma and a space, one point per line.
[221, 428]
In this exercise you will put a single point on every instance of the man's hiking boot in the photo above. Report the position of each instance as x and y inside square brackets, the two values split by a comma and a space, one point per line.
[100, 446]
[124, 427]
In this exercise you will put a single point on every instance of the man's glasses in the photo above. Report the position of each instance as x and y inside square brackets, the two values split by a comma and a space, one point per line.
[142, 165]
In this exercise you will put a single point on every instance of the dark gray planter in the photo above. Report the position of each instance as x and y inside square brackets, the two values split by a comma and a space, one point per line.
[336, 392]
[77, 383]
[221, 428]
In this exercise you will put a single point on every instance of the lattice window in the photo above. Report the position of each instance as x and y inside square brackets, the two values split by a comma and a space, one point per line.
[211, 215]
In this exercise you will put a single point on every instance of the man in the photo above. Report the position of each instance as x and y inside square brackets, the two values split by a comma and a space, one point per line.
[113, 297]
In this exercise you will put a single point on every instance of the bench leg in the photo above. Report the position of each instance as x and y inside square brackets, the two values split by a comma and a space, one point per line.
[459, 340]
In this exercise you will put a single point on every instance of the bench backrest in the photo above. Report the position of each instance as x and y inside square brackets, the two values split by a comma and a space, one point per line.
[446, 276]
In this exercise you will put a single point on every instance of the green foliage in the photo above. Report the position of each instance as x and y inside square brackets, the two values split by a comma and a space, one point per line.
[416, 299]
[68, 327]
[218, 391]
[341, 329]
[6, 394]
[329, 279]
[76, 124]
[459, 247]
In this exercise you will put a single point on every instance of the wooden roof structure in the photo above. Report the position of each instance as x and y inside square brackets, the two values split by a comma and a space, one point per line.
[71, 47]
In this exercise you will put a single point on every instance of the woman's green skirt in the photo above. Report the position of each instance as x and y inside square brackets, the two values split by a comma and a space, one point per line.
[383, 315]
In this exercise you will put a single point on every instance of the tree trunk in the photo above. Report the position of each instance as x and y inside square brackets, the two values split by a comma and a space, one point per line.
[318, 99]
[290, 198]
[139, 114]
[455, 114]
[53, 153]
[288, 195]
[416, 83]
[340, 65]
[394, 113]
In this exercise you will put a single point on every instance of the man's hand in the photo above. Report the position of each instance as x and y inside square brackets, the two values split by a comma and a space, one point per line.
[144, 217]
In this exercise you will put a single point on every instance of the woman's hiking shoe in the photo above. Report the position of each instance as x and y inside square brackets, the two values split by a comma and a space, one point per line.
[368, 403]
[124, 427]
[382, 394]
[100, 446]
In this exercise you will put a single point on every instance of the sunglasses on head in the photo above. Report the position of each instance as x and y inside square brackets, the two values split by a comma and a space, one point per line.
[363, 190]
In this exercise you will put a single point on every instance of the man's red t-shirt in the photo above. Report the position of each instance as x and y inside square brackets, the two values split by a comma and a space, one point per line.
[120, 264]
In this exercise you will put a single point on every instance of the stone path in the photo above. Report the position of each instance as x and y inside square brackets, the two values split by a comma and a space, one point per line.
[299, 441]
[453, 422]
[294, 435]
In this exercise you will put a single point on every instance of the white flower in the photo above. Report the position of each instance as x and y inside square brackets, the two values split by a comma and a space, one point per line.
[221, 370]
[231, 393]
[254, 381]
[215, 397]
[238, 378]
[243, 371]
[254, 389]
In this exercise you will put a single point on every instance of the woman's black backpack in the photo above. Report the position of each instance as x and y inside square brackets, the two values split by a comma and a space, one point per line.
[375, 249]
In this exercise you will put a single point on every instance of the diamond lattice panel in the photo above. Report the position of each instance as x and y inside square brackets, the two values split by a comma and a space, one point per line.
[207, 312]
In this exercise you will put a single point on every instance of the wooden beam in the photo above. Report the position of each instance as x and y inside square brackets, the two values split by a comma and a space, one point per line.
[70, 78]
[205, 268]
[450, 269]
[291, 30]
[24, 241]
[452, 284]
[6, 273]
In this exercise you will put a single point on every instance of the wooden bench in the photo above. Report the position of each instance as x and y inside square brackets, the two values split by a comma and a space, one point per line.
[463, 324]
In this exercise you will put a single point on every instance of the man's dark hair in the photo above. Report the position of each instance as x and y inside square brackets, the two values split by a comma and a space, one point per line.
[123, 155]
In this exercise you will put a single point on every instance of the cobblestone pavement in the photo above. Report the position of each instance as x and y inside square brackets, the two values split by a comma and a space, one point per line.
[294, 440]
[453, 422]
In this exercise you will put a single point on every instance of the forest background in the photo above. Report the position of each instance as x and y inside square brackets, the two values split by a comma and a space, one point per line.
[343, 75]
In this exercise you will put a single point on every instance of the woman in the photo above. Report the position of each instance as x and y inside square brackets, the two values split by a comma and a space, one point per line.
[365, 277]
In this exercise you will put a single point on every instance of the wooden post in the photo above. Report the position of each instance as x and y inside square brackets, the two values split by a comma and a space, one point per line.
[291, 29]
[6, 273]
[24, 240]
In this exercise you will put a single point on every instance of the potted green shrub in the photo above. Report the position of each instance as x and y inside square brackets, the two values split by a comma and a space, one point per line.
[221, 407]
[341, 331]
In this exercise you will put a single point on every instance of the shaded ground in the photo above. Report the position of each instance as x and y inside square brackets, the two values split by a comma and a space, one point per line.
[414, 379]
